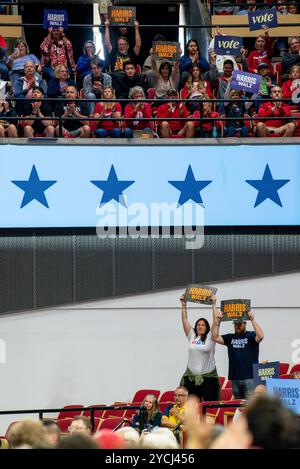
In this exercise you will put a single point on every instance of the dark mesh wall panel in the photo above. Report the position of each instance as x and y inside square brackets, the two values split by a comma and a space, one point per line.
[252, 255]
[54, 272]
[173, 264]
[16, 273]
[287, 252]
[133, 266]
[93, 267]
[213, 260]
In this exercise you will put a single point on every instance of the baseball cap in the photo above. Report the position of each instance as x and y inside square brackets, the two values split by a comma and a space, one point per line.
[172, 91]
[263, 64]
[239, 321]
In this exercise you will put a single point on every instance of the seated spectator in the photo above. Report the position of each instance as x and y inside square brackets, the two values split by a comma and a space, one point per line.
[226, 7]
[137, 109]
[84, 61]
[58, 84]
[262, 53]
[7, 127]
[173, 416]
[73, 116]
[23, 86]
[250, 5]
[235, 109]
[164, 77]
[80, 425]
[173, 109]
[281, 7]
[56, 49]
[291, 58]
[192, 56]
[292, 8]
[208, 127]
[3, 67]
[267, 82]
[107, 109]
[122, 82]
[27, 434]
[96, 71]
[122, 52]
[148, 416]
[220, 81]
[16, 61]
[220, 59]
[43, 127]
[275, 108]
[52, 432]
[292, 85]
[195, 86]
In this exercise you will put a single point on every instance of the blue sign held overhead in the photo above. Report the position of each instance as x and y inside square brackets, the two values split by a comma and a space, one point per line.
[228, 45]
[288, 390]
[55, 19]
[262, 372]
[248, 82]
[262, 18]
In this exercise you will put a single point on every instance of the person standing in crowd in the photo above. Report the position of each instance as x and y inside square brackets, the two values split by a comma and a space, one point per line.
[192, 56]
[164, 77]
[56, 49]
[291, 58]
[262, 53]
[200, 377]
[122, 52]
[173, 416]
[243, 350]
[148, 416]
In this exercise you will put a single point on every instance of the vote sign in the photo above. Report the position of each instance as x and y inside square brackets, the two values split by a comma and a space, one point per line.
[228, 45]
[260, 18]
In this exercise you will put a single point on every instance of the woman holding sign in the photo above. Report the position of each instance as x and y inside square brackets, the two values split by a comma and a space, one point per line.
[200, 377]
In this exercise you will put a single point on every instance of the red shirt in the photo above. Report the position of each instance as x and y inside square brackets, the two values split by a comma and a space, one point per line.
[165, 112]
[266, 110]
[185, 91]
[145, 111]
[107, 124]
[207, 125]
[256, 57]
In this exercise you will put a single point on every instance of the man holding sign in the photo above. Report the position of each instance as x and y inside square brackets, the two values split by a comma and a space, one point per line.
[243, 349]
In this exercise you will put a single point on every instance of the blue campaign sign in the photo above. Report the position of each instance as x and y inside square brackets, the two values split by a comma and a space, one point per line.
[260, 18]
[262, 372]
[80, 186]
[55, 19]
[228, 45]
[248, 82]
[288, 390]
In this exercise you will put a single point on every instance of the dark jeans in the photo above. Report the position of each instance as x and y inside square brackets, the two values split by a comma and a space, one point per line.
[232, 131]
[208, 391]
[241, 388]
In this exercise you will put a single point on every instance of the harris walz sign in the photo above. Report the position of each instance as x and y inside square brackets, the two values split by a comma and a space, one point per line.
[235, 309]
[122, 16]
[200, 294]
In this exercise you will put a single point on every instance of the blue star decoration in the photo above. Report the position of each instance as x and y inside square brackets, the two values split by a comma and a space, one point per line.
[267, 187]
[34, 188]
[190, 188]
[112, 188]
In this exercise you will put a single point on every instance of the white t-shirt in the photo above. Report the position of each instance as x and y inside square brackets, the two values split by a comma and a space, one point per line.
[201, 356]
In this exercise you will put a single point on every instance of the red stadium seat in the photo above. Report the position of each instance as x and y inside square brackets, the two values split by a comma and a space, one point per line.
[283, 368]
[226, 394]
[167, 396]
[225, 415]
[209, 412]
[286, 376]
[97, 413]
[64, 414]
[112, 413]
[221, 381]
[112, 424]
[278, 72]
[295, 368]
[228, 384]
[142, 393]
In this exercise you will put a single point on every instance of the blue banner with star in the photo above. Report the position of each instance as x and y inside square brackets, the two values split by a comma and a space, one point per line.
[88, 186]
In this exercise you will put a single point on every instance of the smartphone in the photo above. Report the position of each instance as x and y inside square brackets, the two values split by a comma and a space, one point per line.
[16, 51]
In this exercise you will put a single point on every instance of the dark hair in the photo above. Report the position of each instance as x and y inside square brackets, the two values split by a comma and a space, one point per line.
[159, 37]
[96, 61]
[165, 64]
[128, 62]
[203, 337]
[197, 44]
[97, 79]
[228, 62]
[37, 88]
[77, 441]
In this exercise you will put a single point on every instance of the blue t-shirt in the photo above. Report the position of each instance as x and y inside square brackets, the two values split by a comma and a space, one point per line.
[242, 353]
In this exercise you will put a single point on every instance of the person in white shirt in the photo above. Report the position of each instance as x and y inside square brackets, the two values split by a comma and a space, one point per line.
[200, 377]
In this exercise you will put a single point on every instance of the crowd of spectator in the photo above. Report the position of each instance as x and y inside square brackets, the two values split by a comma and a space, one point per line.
[85, 97]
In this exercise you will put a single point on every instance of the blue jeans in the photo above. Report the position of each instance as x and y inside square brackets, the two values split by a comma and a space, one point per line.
[102, 133]
[231, 131]
[127, 133]
[241, 388]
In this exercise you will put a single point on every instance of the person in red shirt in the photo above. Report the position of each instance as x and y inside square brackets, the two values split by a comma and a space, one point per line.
[292, 85]
[195, 85]
[262, 53]
[275, 108]
[107, 109]
[137, 109]
[173, 109]
[206, 125]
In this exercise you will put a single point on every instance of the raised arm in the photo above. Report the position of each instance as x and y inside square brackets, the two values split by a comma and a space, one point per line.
[257, 329]
[215, 328]
[107, 36]
[138, 40]
[185, 323]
